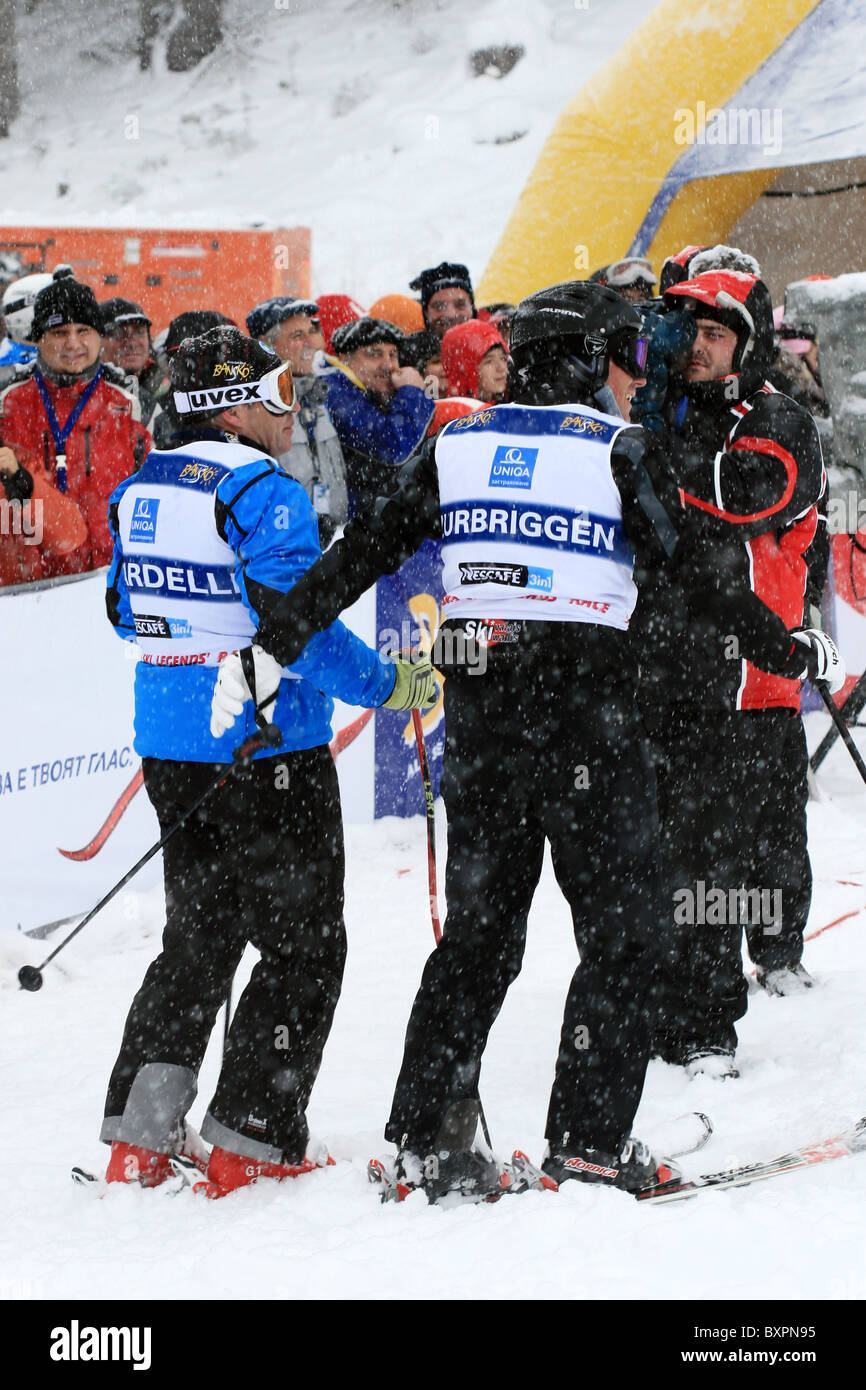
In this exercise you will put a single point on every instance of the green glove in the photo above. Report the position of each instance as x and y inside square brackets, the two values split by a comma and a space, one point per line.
[415, 685]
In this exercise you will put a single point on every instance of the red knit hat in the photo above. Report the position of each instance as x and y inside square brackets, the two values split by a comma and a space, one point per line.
[463, 347]
[335, 310]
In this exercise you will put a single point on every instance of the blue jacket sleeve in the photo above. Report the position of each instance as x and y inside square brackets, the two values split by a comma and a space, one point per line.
[388, 435]
[268, 520]
[117, 603]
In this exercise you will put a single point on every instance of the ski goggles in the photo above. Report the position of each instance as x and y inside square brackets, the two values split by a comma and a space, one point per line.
[629, 272]
[275, 390]
[629, 350]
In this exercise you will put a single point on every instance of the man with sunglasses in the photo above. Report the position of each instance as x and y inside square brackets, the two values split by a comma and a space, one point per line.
[552, 511]
[207, 537]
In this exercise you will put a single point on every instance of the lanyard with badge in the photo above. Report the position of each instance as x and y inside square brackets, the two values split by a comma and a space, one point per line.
[59, 435]
[321, 494]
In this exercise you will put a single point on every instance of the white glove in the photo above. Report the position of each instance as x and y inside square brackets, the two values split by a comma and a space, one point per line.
[232, 691]
[823, 661]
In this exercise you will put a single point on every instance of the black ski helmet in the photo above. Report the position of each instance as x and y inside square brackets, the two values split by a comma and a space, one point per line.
[562, 340]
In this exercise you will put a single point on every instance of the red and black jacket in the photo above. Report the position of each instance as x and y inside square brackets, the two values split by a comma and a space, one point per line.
[750, 475]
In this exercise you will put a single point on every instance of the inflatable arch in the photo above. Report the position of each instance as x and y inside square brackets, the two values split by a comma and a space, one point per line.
[674, 138]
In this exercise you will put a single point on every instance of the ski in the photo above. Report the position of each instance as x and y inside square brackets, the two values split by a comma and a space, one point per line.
[686, 1134]
[850, 1142]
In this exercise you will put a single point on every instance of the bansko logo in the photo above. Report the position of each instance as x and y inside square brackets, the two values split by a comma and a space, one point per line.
[512, 466]
[143, 525]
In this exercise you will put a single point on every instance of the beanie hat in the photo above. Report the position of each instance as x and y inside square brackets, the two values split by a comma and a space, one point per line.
[417, 349]
[64, 301]
[365, 332]
[463, 347]
[442, 277]
[399, 309]
[334, 310]
[270, 312]
[191, 325]
[222, 357]
[117, 311]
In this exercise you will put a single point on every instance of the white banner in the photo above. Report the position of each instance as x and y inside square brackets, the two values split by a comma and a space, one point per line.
[70, 783]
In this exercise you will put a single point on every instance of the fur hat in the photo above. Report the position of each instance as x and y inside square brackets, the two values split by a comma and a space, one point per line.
[723, 258]
[270, 312]
[365, 332]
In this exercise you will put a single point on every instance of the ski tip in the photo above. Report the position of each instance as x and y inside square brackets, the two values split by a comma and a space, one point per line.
[82, 1176]
[390, 1189]
[707, 1125]
[525, 1175]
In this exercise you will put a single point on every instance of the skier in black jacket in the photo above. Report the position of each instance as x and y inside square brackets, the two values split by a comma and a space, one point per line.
[727, 738]
[549, 511]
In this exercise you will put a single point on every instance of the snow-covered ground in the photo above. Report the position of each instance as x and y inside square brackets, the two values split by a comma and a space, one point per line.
[327, 1237]
[361, 119]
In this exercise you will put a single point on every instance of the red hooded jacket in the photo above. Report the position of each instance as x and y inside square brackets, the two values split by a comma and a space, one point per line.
[463, 347]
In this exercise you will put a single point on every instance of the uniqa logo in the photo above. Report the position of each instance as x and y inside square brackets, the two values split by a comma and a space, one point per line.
[513, 466]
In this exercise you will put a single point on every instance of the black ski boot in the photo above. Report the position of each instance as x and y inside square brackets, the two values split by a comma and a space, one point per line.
[634, 1170]
[463, 1174]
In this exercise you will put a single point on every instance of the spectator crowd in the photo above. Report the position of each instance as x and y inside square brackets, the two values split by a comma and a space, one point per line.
[84, 394]
[84, 390]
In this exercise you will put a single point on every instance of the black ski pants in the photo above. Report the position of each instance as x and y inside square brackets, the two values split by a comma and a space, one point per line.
[732, 801]
[535, 753]
[261, 861]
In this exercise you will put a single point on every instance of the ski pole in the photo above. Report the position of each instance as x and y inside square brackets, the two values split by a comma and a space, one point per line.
[431, 870]
[849, 711]
[30, 976]
[431, 825]
[844, 733]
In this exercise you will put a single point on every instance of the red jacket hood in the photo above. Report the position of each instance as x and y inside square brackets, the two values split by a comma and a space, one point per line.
[463, 347]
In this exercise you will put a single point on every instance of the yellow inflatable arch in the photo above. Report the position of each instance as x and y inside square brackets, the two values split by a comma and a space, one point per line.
[677, 134]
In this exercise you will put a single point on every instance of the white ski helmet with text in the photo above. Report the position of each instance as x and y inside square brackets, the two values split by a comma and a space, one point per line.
[19, 298]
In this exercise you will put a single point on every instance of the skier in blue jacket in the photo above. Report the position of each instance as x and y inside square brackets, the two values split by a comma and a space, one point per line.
[208, 536]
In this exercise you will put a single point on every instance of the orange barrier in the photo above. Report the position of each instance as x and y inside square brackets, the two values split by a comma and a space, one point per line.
[168, 272]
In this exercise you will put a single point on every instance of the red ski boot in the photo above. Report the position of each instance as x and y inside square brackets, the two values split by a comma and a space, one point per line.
[132, 1164]
[129, 1163]
[227, 1171]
